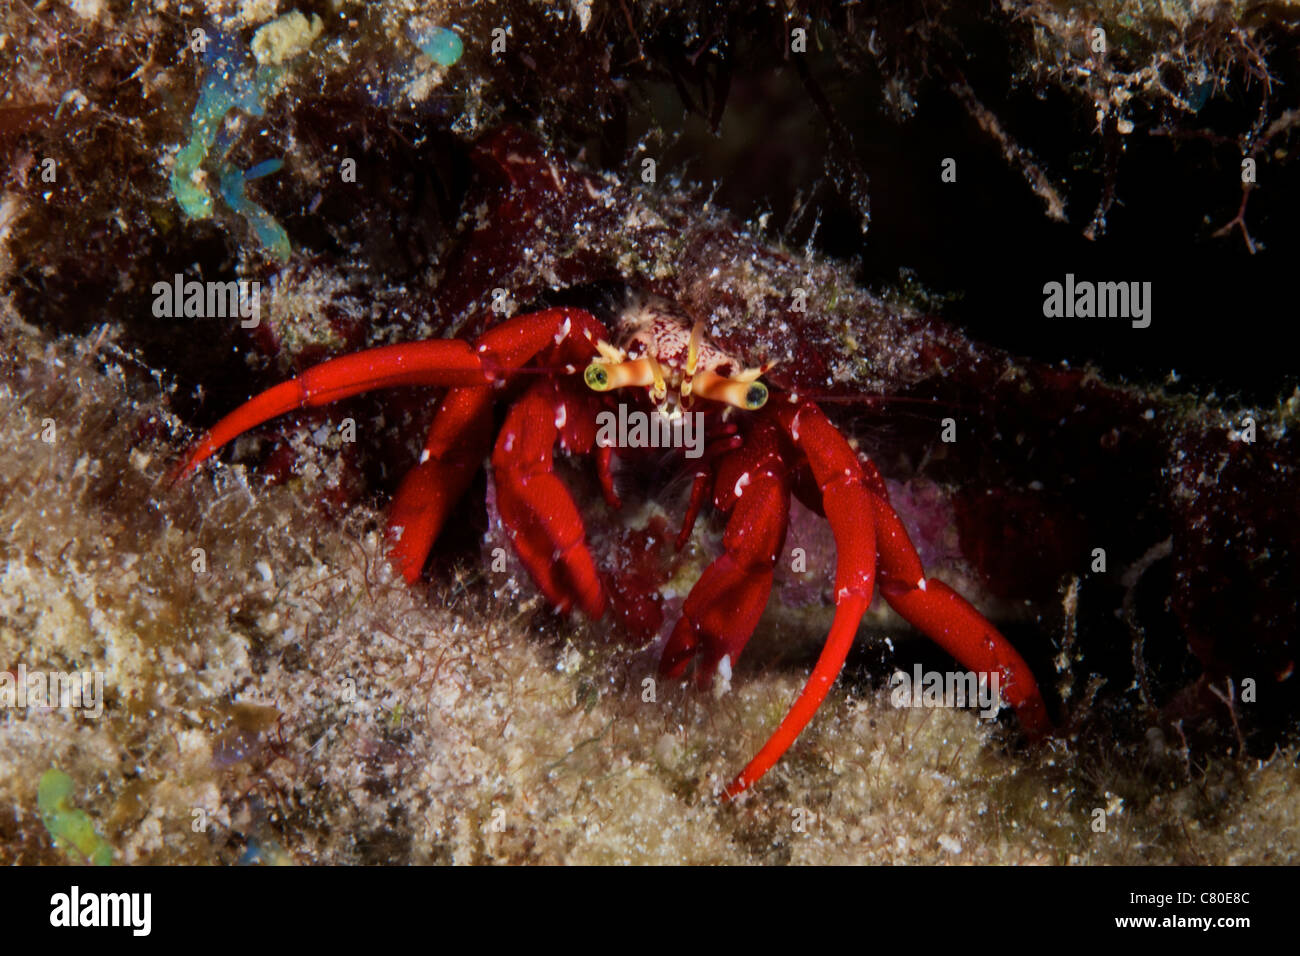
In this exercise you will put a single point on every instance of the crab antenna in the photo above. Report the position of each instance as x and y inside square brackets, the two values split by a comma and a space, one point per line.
[749, 396]
[660, 391]
[692, 358]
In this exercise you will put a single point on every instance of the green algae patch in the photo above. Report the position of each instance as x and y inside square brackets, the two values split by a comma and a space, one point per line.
[232, 85]
[223, 90]
[440, 45]
[73, 830]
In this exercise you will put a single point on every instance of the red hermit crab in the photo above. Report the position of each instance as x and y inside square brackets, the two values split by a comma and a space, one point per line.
[753, 450]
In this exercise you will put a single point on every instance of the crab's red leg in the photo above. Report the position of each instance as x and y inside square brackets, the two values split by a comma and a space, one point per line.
[441, 362]
[604, 470]
[848, 508]
[458, 443]
[703, 481]
[461, 435]
[536, 508]
[723, 608]
[562, 335]
[946, 618]
[700, 486]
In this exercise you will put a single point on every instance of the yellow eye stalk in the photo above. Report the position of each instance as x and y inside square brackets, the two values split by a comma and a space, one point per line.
[607, 376]
[750, 395]
[615, 370]
[744, 393]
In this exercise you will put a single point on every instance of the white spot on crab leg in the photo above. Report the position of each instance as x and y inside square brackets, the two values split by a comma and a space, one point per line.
[561, 415]
[741, 483]
[424, 456]
[920, 585]
[555, 177]
[722, 678]
[509, 445]
[563, 334]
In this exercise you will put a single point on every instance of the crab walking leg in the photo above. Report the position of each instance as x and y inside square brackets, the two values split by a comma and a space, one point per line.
[700, 486]
[536, 508]
[461, 435]
[449, 362]
[723, 608]
[950, 621]
[458, 443]
[444, 362]
[605, 472]
[847, 505]
[703, 481]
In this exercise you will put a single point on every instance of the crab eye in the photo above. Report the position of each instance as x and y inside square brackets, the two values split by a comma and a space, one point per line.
[756, 396]
[596, 377]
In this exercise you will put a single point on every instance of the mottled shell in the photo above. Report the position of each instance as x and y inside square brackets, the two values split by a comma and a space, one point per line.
[652, 326]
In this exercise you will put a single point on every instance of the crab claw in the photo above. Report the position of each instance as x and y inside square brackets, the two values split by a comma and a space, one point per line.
[460, 437]
[458, 442]
[723, 608]
[537, 509]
